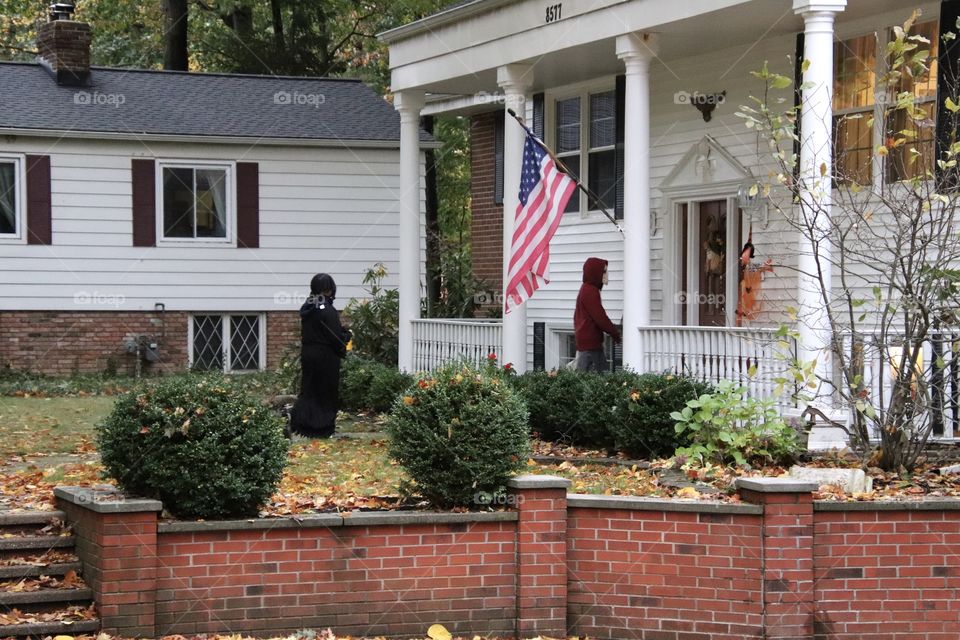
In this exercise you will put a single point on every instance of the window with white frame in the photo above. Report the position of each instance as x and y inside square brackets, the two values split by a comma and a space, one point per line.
[227, 342]
[10, 198]
[858, 64]
[586, 144]
[195, 201]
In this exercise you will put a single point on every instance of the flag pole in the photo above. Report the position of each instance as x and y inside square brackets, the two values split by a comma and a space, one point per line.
[563, 167]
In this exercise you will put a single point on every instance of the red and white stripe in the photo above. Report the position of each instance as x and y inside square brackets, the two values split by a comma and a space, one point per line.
[534, 228]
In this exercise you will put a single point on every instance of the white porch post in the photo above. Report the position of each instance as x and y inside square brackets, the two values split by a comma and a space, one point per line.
[515, 80]
[636, 50]
[409, 103]
[816, 151]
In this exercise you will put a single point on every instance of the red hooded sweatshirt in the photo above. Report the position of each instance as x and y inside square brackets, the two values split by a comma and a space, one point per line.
[590, 321]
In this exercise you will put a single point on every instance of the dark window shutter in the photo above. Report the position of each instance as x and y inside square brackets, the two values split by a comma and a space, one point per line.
[538, 124]
[144, 177]
[39, 228]
[948, 86]
[248, 205]
[619, 160]
[797, 99]
[498, 157]
[539, 346]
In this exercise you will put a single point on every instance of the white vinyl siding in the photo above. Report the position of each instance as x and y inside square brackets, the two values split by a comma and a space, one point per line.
[321, 209]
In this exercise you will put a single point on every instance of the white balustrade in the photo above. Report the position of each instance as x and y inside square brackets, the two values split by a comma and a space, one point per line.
[755, 358]
[439, 341]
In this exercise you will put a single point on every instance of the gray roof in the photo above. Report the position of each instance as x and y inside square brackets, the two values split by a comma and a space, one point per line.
[134, 102]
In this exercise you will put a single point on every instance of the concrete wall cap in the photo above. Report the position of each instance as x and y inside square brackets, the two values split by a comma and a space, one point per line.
[535, 481]
[926, 504]
[106, 499]
[632, 503]
[777, 485]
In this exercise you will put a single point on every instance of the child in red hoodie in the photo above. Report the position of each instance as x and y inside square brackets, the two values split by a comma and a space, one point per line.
[590, 321]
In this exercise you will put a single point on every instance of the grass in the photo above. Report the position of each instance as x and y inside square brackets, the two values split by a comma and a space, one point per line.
[49, 425]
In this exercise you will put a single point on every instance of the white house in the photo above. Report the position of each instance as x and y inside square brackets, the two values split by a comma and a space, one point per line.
[639, 97]
[182, 210]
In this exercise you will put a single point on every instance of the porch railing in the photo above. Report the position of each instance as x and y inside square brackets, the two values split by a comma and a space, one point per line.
[939, 368]
[437, 342]
[753, 357]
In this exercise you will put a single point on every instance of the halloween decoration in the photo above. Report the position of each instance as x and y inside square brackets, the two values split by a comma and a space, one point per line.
[751, 280]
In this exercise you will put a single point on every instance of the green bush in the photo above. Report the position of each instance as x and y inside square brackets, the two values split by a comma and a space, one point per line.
[459, 434]
[728, 427]
[375, 320]
[367, 385]
[644, 428]
[200, 444]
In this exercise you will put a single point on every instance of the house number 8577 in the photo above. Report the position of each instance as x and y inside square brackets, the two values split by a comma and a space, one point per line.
[553, 12]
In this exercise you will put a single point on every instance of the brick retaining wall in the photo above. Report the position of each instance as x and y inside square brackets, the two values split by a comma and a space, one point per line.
[775, 565]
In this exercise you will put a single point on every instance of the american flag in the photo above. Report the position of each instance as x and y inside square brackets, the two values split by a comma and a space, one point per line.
[544, 191]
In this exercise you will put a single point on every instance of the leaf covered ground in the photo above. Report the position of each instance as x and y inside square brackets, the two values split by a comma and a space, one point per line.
[46, 442]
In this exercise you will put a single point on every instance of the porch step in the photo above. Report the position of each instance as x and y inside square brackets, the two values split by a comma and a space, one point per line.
[17, 571]
[45, 596]
[47, 629]
[40, 543]
[19, 518]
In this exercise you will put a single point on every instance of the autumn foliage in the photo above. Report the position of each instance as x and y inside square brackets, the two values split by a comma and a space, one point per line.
[203, 446]
[459, 433]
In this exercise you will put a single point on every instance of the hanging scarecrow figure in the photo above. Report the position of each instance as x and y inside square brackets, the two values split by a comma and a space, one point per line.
[751, 280]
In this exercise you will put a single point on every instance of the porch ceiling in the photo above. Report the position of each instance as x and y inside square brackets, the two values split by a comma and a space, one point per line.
[741, 24]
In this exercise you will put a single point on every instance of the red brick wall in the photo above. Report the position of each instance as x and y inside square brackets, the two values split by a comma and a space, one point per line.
[358, 580]
[486, 227]
[64, 343]
[662, 574]
[887, 574]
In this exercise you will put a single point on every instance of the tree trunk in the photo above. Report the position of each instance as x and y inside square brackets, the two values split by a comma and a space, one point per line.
[278, 40]
[432, 210]
[175, 52]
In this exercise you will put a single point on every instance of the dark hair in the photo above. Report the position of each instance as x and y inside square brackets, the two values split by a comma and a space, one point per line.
[322, 283]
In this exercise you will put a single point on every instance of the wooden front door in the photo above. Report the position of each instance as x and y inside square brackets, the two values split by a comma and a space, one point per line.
[712, 247]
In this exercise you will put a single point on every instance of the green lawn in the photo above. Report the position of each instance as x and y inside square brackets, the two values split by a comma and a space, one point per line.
[49, 425]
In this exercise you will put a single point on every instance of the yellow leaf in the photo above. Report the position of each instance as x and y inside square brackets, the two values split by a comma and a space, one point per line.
[823, 169]
[438, 632]
[951, 105]
[688, 492]
[62, 637]
[882, 151]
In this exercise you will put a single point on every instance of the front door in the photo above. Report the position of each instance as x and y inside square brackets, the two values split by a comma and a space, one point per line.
[712, 289]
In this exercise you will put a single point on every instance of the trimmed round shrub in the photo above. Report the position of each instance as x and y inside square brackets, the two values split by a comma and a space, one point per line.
[459, 434]
[644, 428]
[201, 445]
[555, 401]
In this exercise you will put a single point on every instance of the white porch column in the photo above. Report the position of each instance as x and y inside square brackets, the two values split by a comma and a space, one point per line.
[515, 80]
[816, 151]
[636, 50]
[409, 103]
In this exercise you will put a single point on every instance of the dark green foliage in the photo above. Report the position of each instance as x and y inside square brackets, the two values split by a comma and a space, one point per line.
[375, 320]
[460, 434]
[623, 410]
[200, 444]
[645, 428]
[367, 385]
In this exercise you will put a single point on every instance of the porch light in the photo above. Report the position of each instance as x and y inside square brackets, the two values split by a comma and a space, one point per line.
[750, 200]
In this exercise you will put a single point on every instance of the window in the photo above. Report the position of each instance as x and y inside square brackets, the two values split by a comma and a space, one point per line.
[10, 197]
[195, 202]
[226, 342]
[915, 158]
[586, 143]
[854, 85]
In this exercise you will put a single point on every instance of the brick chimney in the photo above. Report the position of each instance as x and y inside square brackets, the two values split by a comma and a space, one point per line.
[64, 46]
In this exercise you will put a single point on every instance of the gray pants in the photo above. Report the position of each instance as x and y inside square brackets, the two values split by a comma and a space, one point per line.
[592, 361]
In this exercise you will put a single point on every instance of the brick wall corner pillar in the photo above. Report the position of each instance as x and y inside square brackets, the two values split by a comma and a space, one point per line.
[117, 544]
[541, 502]
[788, 589]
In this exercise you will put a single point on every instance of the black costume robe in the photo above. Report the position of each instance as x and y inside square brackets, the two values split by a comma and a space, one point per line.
[324, 344]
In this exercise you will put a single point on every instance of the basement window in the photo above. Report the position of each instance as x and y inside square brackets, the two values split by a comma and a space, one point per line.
[227, 342]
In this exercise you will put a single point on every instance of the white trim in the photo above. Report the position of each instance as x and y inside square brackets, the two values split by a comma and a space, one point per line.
[230, 168]
[344, 143]
[20, 193]
[553, 343]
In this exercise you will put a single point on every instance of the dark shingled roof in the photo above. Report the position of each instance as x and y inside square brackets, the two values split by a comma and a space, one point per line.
[133, 102]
